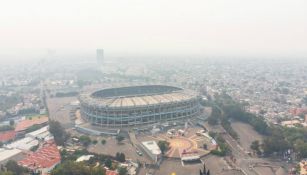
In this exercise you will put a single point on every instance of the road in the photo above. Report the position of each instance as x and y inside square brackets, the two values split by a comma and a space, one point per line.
[244, 162]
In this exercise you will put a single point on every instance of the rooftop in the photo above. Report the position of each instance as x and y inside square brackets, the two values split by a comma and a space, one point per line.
[7, 136]
[84, 158]
[8, 153]
[138, 99]
[25, 124]
[110, 172]
[45, 157]
[24, 144]
[152, 146]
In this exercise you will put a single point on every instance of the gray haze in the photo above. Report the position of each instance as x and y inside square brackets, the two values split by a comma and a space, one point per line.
[170, 27]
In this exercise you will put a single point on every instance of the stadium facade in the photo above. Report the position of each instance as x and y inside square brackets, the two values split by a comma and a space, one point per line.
[138, 105]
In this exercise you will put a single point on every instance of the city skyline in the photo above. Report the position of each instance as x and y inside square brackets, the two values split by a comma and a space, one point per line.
[204, 28]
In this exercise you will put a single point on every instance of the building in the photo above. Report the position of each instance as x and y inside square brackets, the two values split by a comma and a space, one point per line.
[41, 134]
[152, 150]
[303, 167]
[110, 172]
[99, 57]
[24, 144]
[84, 158]
[23, 126]
[43, 160]
[7, 136]
[138, 105]
[10, 154]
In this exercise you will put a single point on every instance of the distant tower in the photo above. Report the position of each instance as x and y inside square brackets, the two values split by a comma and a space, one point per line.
[99, 57]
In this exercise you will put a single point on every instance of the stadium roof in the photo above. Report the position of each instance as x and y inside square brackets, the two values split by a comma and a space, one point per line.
[137, 98]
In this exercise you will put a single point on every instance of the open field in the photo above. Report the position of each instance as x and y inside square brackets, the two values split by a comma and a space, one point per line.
[246, 134]
[59, 109]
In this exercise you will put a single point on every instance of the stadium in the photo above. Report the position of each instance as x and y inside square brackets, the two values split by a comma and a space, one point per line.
[138, 105]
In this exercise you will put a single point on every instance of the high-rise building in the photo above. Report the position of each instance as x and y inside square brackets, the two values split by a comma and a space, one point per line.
[99, 56]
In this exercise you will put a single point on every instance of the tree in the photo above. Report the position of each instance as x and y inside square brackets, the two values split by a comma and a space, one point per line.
[6, 128]
[255, 146]
[59, 133]
[76, 168]
[275, 143]
[1, 144]
[94, 142]
[301, 148]
[212, 120]
[6, 173]
[215, 115]
[13, 167]
[12, 122]
[122, 171]
[120, 157]
[120, 138]
[108, 163]
[85, 140]
[164, 146]
[103, 141]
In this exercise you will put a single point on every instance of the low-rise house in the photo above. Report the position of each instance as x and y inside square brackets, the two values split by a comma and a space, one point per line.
[303, 167]
[44, 159]
[23, 126]
[7, 136]
[110, 172]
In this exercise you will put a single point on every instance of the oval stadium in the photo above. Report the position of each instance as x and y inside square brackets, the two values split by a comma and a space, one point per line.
[138, 105]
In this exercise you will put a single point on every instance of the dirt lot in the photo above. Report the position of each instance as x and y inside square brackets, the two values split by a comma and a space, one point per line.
[59, 109]
[246, 134]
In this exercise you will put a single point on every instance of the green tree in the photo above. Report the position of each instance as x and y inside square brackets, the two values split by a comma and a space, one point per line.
[301, 148]
[120, 157]
[94, 142]
[13, 167]
[103, 141]
[59, 133]
[255, 145]
[85, 140]
[108, 163]
[76, 168]
[6, 128]
[122, 171]
[12, 122]
[275, 143]
[213, 120]
[164, 146]
[6, 173]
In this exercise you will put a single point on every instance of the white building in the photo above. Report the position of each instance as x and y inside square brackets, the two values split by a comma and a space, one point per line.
[152, 149]
[41, 134]
[84, 158]
[10, 154]
[24, 144]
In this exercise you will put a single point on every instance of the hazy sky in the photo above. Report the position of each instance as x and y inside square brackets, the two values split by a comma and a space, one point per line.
[205, 27]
